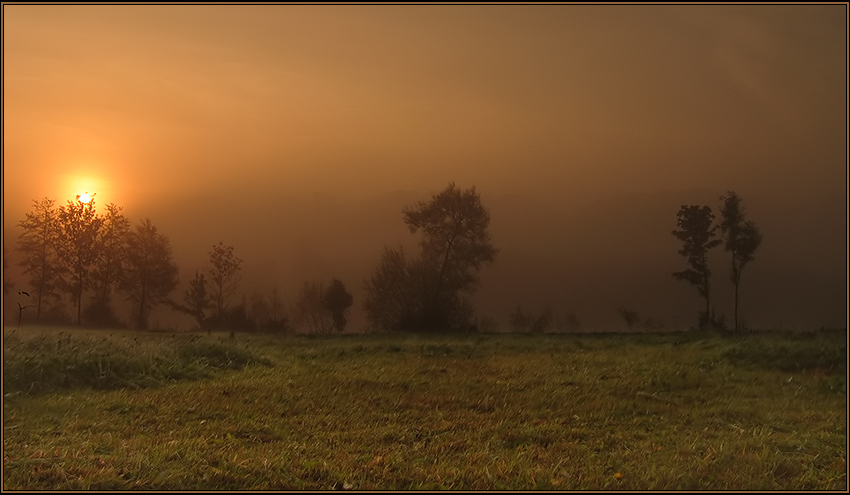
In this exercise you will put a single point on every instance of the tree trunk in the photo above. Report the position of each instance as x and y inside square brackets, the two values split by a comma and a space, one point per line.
[438, 289]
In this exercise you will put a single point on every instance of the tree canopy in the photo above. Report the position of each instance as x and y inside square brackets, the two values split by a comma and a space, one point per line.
[697, 236]
[741, 239]
[426, 293]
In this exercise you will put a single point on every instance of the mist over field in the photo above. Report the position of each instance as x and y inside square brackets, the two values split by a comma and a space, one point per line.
[298, 134]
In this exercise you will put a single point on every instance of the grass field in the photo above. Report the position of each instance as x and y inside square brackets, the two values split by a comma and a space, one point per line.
[122, 410]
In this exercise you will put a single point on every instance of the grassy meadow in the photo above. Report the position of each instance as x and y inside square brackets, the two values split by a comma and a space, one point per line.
[690, 411]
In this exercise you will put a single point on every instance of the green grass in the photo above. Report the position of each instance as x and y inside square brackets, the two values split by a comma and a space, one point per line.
[407, 412]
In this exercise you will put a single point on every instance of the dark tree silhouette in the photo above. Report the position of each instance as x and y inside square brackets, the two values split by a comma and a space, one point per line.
[393, 292]
[222, 275]
[455, 244]
[696, 233]
[741, 239]
[79, 246]
[151, 274]
[337, 300]
[39, 246]
[311, 308]
[109, 265]
[195, 300]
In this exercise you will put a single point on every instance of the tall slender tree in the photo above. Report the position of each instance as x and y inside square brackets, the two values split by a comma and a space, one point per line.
[39, 246]
[110, 262]
[697, 236]
[151, 273]
[741, 239]
[79, 245]
[222, 275]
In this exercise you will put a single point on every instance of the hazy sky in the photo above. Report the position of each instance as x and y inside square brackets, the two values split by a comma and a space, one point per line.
[297, 134]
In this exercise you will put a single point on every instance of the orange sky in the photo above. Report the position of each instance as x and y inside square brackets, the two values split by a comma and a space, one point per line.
[297, 133]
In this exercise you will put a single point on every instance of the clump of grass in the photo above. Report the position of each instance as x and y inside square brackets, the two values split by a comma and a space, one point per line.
[821, 352]
[51, 362]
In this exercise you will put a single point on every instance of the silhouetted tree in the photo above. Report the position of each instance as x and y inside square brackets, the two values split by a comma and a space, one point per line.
[741, 237]
[267, 312]
[455, 245]
[39, 246]
[195, 300]
[696, 233]
[222, 275]
[425, 293]
[312, 309]
[336, 300]
[79, 246]
[393, 292]
[151, 274]
[108, 267]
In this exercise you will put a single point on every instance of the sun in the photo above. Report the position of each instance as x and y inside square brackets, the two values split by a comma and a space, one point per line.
[85, 197]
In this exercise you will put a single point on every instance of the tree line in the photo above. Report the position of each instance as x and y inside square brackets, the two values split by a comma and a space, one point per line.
[72, 249]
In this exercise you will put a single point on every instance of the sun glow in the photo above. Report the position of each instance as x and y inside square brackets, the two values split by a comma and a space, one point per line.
[85, 197]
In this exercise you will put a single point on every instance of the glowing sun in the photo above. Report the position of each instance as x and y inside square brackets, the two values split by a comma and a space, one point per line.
[84, 198]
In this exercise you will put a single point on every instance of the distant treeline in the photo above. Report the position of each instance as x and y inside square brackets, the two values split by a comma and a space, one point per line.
[75, 254]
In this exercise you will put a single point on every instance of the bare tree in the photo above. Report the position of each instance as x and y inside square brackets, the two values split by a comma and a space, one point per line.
[741, 237]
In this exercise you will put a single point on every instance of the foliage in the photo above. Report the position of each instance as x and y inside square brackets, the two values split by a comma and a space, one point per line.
[697, 234]
[267, 313]
[391, 301]
[222, 275]
[233, 318]
[100, 314]
[78, 246]
[426, 293]
[195, 300]
[109, 264]
[741, 239]
[151, 274]
[39, 246]
[337, 300]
